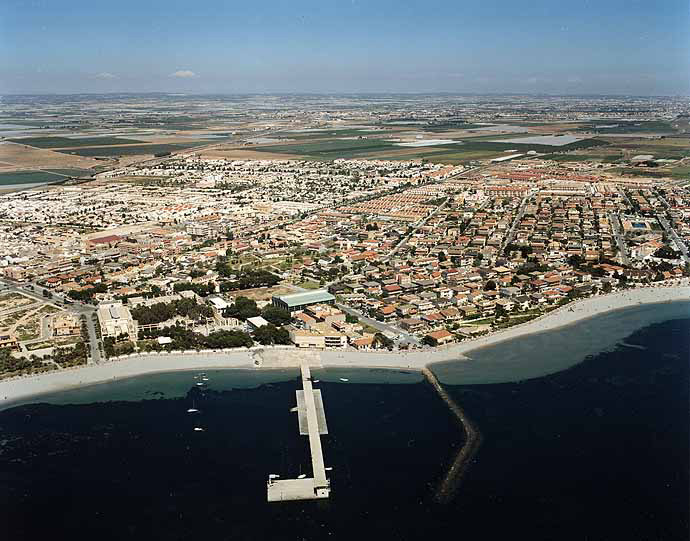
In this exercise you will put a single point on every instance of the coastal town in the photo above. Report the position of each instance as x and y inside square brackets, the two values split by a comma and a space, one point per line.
[205, 253]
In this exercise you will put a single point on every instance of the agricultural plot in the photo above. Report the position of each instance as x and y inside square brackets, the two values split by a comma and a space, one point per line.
[332, 149]
[626, 126]
[29, 177]
[67, 142]
[673, 148]
[135, 150]
[605, 158]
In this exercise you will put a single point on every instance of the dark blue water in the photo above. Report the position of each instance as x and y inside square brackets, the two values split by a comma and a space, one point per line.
[598, 451]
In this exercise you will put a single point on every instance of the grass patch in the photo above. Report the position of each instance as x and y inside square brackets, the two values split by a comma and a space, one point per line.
[309, 285]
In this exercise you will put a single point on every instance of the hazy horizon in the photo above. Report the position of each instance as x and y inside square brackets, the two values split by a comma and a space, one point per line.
[616, 47]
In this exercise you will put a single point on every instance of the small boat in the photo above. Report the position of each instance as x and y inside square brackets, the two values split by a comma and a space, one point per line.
[198, 429]
[273, 476]
[204, 379]
[329, 468]
[192, 410]
[302, 476]
[344, 379]
[200, 384]
[293, 410]
[317, 381]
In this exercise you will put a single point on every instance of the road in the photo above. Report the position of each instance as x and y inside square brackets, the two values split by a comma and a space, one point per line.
[620, 240]
[516, 221]
[76, 307]
[383, 327]
[403, 242]
[680, 245]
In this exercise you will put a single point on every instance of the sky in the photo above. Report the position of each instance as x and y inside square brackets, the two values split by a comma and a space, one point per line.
[628, 47]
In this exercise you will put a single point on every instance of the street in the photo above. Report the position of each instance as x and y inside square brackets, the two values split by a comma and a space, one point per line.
[75, 307]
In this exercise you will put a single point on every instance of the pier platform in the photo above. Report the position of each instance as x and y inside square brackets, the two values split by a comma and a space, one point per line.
[312, 421]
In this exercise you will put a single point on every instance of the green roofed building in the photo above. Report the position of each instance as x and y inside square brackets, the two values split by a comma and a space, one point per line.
[299, 301]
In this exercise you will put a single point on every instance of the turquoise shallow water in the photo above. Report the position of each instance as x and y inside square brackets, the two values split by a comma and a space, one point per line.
[549, 352]
[517, 359]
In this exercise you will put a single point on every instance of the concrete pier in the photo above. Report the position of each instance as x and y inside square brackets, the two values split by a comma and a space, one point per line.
[310, 408]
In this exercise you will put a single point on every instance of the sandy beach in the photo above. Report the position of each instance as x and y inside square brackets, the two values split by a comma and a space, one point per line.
[15, 389]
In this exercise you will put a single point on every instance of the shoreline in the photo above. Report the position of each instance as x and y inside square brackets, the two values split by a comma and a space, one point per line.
[286, 357]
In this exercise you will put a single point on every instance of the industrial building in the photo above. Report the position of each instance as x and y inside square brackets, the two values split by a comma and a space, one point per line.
[299, 301]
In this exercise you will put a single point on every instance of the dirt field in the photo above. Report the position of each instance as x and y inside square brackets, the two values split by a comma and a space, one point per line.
[25, 157]
[263, 293]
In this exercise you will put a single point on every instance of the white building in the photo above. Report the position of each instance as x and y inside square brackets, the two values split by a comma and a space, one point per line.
[116, 320]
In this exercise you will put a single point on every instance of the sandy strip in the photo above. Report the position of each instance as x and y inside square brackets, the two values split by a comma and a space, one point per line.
[20, 388]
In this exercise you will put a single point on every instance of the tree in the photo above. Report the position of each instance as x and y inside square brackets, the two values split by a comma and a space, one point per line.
[276, 315]
[270, 334]
[383, 341]
[429, 340]
[575, 260]
[490, 286]
[242, 309]
[349, 318]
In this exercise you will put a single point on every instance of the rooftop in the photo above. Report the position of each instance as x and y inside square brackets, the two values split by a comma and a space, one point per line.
[307, 297]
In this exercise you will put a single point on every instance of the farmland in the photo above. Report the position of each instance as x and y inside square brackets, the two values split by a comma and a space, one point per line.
[67, 142]
[133, 150]
[28, 177]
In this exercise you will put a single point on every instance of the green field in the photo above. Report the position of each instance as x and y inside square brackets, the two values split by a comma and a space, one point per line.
[468, 149]
[450, 126]
[66, 142]
[332, 149]
[682, 171]
[454, 158]
[72, 172]
[606, 158]
[131, 151]
[28, 177]
[496, 146]
[626, 126]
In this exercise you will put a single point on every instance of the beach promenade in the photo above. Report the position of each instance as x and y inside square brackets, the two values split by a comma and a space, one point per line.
[278, 357]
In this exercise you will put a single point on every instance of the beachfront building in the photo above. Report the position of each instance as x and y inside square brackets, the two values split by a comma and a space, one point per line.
[299, 301]
[116, 320]
[319, 335]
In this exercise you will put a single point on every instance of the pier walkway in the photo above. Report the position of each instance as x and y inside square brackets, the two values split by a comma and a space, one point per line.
[310, 407]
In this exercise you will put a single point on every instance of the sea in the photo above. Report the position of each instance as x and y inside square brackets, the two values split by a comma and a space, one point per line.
[594, 447]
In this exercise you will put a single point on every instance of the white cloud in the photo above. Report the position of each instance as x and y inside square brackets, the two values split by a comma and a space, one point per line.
[105, 75]
[184, 74]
